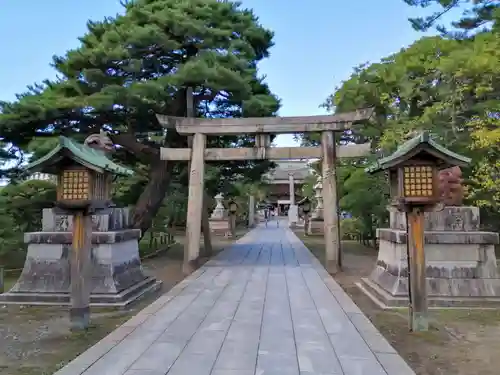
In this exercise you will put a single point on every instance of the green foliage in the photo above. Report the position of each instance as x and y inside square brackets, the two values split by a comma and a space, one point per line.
[308, 187]
[365, 197]
[21, 211]
[240, 192]
[448, 86]
[24, 203]
[476, 14]
[132, 66]
[10, 240]
[351, 229]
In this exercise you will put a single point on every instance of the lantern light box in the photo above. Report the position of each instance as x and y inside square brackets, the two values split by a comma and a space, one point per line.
[413, 170]
[305, 205]
[84, 174]
[233, 206]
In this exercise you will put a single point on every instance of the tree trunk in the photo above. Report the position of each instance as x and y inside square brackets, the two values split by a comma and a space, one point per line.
[149, 202]
[160, 172]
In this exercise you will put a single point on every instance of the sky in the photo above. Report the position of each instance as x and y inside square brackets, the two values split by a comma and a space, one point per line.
[316, 46]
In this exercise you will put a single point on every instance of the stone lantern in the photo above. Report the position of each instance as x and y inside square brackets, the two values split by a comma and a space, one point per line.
[305, 208]
[219, 211]
[413, 171]
[316, 224]
[219, 223]
[85, 254]
[233, 209]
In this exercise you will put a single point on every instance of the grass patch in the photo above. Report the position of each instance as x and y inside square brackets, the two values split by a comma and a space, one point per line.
[54, 355]
[481, 317]
[8, 282]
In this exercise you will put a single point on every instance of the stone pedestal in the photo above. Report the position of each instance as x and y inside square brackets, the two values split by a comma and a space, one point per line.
[293, 215]
[460, 259]
[117, 280]
[316, 227]
[220, 227]
[219, 221]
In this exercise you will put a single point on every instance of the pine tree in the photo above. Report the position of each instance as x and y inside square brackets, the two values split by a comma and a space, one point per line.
[132, 66]
[476, 15]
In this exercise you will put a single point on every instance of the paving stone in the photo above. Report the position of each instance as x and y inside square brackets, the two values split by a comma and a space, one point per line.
[158, 357]
[144, 372]
[361, 366]
[119, 358]
[208, 343]
[193, 364]
[185, 325]
[248, 332]
[377, 342]
[233, 372]
[317, 357]
[237, 355]
[263, 306]
[269, 362]
[137, 320]
[120, 333]
[350, 345]
[394, 364]
[87, 358]
[361, 322]
[222, 313]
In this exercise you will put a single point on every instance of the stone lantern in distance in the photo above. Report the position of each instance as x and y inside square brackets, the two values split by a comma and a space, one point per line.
[316, 222]
[232, 208]
[414, 188]
[305, 207]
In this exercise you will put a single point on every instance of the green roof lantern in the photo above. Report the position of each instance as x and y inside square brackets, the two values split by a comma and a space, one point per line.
[422, 143]
[305, 205]
[413, 170]
[68, 149]
[84, 172]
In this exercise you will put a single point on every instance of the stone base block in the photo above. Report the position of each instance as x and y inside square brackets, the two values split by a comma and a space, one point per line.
[117, 274]
[219, 227]
[461, 269]
[316, 228]
[117, 218]
[388, 301]
[119, 300]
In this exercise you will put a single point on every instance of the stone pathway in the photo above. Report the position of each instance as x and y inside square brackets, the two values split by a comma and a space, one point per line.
[264, 306]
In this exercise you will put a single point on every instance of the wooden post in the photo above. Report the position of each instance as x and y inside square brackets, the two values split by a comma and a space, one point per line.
[251, 211]
[330, 211]
[195, 204]
[207, 241]
[232, 224]
[2, 282]
[417, 292]
[81, 267]
[205, 228]
[306, 224]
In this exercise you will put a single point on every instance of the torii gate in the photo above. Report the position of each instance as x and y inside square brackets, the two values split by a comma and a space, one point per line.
[262, 127]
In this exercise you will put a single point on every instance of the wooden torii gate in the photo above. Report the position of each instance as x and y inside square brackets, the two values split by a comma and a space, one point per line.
[263, 127]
